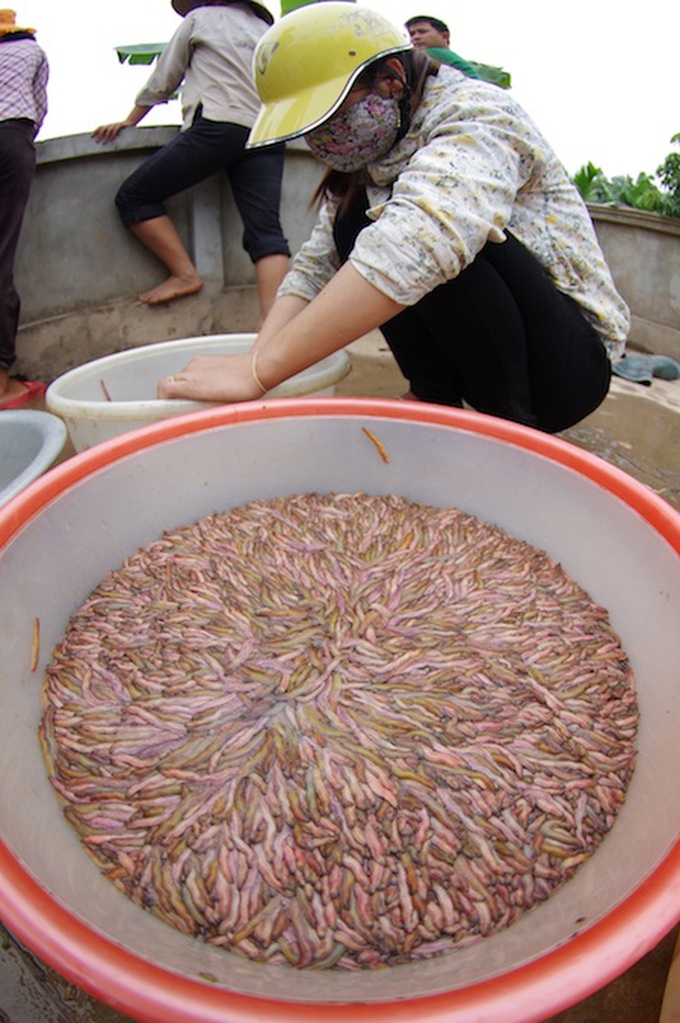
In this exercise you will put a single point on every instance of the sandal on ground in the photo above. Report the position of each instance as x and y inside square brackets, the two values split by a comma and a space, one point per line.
[642, 368]
[34, 389]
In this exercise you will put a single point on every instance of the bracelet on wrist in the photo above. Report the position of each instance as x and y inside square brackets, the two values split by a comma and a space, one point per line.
[253, 370]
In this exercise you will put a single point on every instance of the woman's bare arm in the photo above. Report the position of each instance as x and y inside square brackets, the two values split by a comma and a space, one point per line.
[295, 335]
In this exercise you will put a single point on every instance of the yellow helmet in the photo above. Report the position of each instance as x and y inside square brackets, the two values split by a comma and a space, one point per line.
[307, 62]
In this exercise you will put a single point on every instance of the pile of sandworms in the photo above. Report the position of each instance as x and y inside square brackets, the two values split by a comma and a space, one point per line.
[339, 730]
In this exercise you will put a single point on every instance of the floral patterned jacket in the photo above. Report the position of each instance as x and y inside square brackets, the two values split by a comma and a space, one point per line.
[471, 165]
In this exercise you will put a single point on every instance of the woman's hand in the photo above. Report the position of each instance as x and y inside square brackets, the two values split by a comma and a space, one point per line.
[214, 378]
[108, 132]
[295, 335]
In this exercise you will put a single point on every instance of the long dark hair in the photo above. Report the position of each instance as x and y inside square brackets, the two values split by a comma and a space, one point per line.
[417, 68]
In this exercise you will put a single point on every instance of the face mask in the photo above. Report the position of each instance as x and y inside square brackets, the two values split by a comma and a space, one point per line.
[358, 136]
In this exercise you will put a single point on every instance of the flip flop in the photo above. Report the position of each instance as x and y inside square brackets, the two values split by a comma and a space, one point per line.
[638, 368]
[642, 368]
[34, 389]
[666, 368]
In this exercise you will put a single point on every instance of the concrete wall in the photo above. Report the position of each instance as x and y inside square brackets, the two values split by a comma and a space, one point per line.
[79, 271]
[643, 253]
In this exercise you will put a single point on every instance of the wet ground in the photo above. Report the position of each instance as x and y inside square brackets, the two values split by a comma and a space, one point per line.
[637, 428]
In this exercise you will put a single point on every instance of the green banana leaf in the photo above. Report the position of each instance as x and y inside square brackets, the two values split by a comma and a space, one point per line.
[140, 53]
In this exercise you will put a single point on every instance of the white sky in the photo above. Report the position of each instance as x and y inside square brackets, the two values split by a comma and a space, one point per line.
[599, 77]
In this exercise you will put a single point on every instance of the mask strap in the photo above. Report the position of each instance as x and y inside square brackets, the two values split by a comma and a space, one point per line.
[405, 101]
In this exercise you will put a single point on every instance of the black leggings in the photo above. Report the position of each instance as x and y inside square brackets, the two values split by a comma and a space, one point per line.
[500, 336]
[17, 166]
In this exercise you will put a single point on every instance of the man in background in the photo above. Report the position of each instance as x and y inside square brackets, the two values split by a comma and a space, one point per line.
[431, 34]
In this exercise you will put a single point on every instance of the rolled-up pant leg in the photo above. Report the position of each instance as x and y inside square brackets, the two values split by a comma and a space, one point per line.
[256, 179]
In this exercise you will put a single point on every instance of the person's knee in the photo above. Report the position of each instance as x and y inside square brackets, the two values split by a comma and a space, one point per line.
[134, 208]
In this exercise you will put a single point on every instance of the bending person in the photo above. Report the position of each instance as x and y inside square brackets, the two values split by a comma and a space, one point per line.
[445, 220]
[212, 52]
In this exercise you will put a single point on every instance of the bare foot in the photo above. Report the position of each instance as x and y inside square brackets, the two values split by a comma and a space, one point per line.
[173, 287]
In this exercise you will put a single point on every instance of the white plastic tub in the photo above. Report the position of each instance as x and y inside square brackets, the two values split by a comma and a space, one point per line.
[66, 531]
[109, 396]
[30, 442]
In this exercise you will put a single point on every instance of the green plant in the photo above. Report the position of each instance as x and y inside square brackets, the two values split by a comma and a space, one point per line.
[593, 185]
[641, 193]
[669, 174]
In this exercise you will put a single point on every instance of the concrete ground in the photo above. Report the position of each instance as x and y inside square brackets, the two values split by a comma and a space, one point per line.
[637, 428]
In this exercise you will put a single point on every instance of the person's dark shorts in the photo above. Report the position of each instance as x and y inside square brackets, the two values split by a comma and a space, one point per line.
[207, 148]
